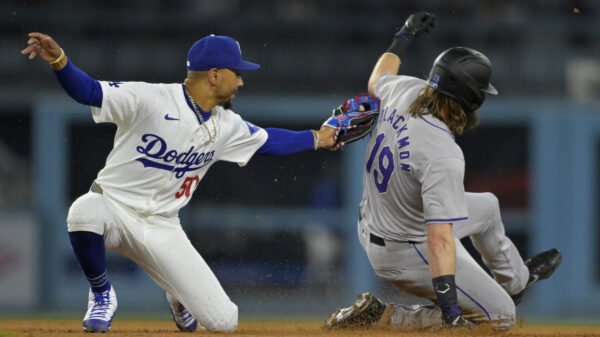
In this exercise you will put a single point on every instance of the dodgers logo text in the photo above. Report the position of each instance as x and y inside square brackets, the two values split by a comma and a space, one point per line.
[158, 155]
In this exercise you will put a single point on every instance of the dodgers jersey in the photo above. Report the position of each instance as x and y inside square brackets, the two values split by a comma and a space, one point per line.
[414, 169]
[161, 151]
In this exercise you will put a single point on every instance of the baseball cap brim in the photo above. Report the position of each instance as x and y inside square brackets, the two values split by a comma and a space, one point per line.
[491, 90]
[245, 65]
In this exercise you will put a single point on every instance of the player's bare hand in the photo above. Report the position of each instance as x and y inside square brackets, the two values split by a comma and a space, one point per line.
[42, 46]
[328, 138]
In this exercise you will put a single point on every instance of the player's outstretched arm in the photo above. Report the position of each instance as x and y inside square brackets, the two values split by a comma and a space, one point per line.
[387, 63]
[355, 120]
[79, 85]
[416, 25]
[44, 47]
[283, 142]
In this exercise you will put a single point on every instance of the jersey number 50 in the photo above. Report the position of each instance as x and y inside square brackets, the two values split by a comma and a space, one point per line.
[383, 172]
[186, 188]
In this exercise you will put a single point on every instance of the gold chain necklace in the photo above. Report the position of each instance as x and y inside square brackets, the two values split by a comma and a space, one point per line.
[211, 137]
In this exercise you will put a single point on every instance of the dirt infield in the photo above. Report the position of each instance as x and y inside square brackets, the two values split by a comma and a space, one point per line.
[72, 328]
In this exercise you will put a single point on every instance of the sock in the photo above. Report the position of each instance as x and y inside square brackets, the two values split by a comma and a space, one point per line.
[90, 252]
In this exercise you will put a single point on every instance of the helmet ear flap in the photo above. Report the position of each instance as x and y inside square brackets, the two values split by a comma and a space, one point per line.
[476, 102]
[473, 98]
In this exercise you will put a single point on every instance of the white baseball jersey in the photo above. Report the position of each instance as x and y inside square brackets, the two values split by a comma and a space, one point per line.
[414, 168]
[161, 151]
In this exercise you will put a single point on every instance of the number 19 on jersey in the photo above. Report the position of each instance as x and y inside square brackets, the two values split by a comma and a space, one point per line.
[385, 164]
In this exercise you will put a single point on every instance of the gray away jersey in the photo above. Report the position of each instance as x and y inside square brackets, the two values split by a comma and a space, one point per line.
[414, 169]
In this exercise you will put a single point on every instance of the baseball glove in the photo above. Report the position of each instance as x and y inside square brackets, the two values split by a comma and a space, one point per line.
[355, 118]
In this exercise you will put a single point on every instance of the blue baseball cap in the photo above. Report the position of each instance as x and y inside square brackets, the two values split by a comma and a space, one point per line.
[219, 52]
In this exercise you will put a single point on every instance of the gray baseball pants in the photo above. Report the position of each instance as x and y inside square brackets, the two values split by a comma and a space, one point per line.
[480, 296]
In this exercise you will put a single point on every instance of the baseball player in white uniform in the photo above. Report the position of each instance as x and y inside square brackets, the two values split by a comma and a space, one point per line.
[414, 209]
[168, 136]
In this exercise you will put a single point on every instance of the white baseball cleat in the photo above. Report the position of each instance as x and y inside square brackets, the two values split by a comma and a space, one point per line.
[183, 319]
[100, 312]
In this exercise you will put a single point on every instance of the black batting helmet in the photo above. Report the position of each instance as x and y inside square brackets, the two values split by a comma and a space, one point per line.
[463, 74]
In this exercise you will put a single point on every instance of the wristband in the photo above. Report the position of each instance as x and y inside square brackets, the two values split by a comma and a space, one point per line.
[399, 44]
[445, 290]
[59, 58]
[316, 139]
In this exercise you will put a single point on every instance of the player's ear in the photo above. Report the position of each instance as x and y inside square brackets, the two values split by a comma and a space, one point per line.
[213, 76]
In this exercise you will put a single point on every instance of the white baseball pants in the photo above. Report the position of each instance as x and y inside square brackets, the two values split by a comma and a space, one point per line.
[159, 246]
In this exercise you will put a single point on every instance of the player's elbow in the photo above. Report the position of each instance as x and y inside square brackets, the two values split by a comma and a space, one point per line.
[438, 234]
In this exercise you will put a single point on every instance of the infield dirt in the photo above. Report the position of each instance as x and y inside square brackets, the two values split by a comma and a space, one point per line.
[72, 328]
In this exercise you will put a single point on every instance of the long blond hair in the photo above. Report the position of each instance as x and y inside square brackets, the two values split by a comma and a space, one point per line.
[443, 107]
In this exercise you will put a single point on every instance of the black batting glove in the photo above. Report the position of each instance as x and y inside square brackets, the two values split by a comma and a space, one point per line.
[415, 26]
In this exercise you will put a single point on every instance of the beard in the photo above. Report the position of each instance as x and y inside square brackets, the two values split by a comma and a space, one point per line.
[227, 101]
[227, 104]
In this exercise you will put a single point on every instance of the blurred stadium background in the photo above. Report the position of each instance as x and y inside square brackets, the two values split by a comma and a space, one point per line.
[280, 233]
